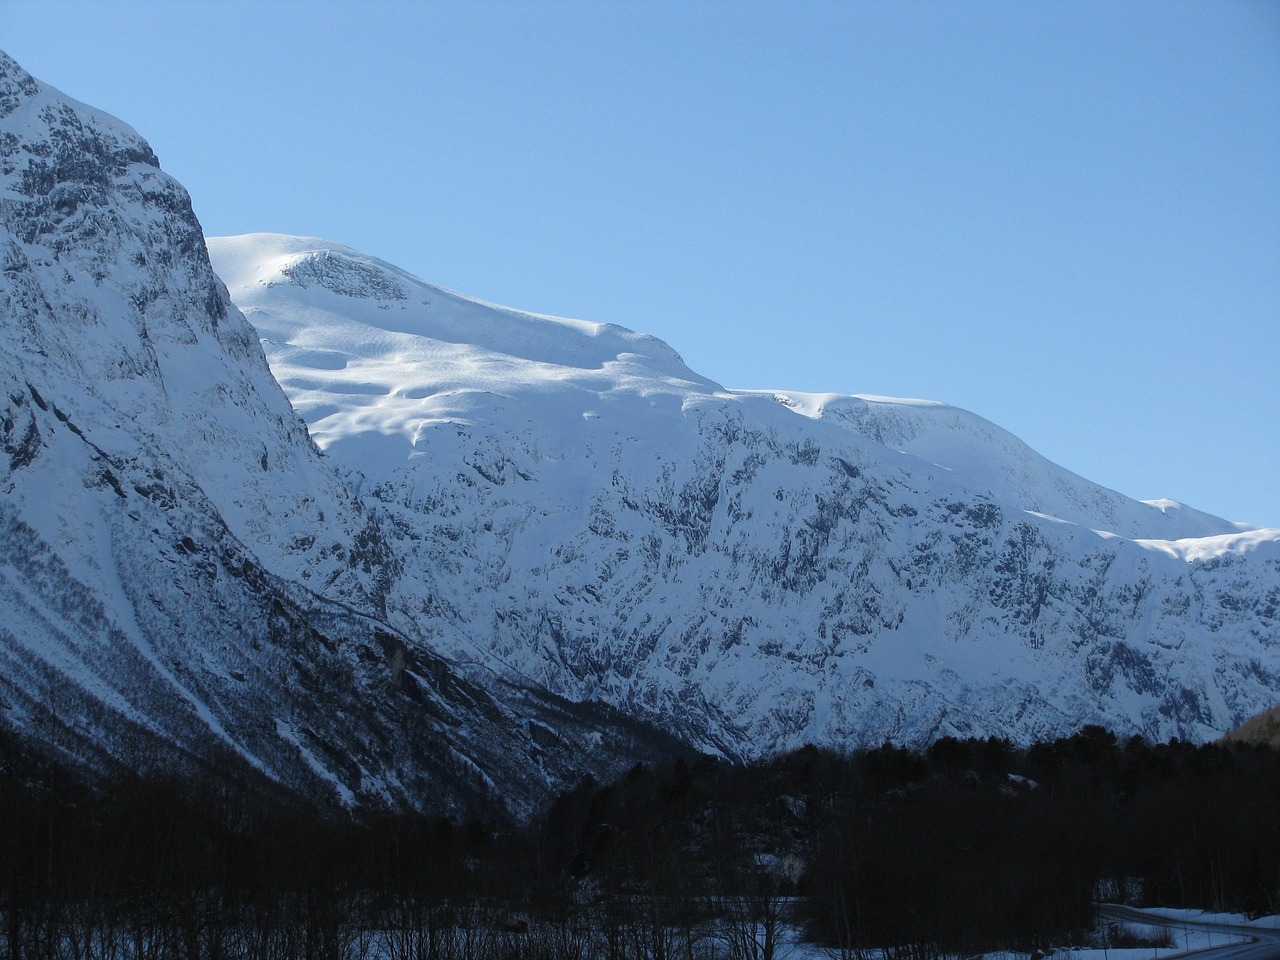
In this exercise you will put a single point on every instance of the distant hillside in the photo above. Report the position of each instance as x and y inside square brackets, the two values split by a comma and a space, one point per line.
[1261, 728]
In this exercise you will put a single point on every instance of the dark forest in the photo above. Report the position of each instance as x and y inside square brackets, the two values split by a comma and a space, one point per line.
[969, 845]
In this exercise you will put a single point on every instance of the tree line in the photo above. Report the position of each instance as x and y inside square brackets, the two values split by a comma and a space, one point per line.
[966, 846]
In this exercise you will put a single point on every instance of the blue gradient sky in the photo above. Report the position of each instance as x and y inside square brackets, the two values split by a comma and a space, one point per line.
[1062, 216]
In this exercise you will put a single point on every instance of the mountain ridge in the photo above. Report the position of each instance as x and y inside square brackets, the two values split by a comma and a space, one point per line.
[648, 538]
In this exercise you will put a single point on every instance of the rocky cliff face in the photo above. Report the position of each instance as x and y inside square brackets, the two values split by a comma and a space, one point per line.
[183, 579]
[751, 570]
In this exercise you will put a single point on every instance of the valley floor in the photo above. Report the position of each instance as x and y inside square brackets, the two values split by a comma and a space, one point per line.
[1186, 931]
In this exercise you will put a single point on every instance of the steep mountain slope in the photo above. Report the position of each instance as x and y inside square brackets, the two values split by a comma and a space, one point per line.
[752, 570]
[510, 503]
[182, 578]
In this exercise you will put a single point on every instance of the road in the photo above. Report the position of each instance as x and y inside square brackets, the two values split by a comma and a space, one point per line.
[1265, 946]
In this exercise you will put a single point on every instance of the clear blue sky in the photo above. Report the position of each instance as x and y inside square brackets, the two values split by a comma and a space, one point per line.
[1062, 216]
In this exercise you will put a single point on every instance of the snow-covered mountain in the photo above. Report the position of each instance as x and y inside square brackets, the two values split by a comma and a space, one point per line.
[183, 578]
[525, 536]
[568, 504]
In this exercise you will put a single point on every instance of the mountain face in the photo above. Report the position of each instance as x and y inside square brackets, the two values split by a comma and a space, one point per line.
[526, 537]
[569, 505]
[183, 578]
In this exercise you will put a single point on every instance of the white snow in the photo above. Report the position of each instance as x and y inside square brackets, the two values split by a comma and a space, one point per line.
[1204, 548]
[1177, 924]
[286, 732]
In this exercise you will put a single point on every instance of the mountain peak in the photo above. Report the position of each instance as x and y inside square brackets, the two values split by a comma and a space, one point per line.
[372, 354]
[263, 260]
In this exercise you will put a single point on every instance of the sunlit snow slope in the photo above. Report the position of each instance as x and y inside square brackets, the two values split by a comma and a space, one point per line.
[751, 569]
[184, 581]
